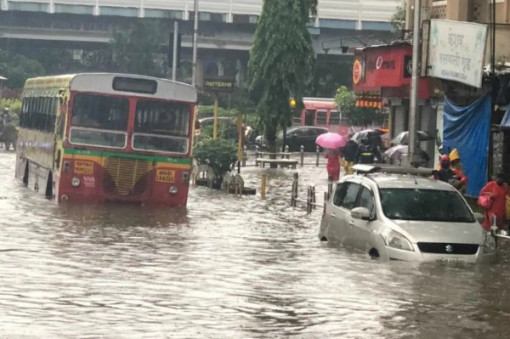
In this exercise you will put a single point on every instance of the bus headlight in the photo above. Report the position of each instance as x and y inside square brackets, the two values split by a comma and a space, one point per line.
[172, 190]
[75, 182]
[396, 240]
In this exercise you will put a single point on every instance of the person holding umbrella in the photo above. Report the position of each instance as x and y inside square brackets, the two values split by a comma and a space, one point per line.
[332, 142]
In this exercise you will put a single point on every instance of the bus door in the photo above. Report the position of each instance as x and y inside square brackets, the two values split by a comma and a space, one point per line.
[309, 118]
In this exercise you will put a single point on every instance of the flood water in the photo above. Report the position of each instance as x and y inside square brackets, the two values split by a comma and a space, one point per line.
[224, 267]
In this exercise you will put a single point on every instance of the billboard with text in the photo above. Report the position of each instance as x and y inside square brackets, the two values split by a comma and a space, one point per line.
[456, 51]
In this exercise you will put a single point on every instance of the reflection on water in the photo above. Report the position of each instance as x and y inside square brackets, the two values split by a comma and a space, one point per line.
[223, 267]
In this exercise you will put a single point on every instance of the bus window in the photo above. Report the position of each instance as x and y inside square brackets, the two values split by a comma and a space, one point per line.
[334, 118]
[100, 111]
[161, 126]
[321, 118]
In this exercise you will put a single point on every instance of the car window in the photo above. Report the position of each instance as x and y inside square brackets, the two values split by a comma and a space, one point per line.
[408, 204]
[366, 199]
[345, 195]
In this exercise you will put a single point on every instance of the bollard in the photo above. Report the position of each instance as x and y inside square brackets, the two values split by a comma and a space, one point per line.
[317, 155]
[309, 200]
[294, 192]
[263, 187]
[256, 155]
[314, 200]
[302, 155]
[245, 156]
[286, 151]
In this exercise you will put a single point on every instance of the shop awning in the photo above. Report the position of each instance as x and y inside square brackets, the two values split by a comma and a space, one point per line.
[505, 122]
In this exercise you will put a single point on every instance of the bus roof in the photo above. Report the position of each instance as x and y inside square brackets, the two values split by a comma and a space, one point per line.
[319, 103]
[106, 83]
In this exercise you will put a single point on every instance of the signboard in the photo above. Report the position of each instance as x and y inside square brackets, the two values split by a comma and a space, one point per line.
[456, 51]
[386, 70]
[219, 84]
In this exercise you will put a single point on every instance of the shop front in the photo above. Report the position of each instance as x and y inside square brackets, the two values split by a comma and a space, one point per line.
[382, 77]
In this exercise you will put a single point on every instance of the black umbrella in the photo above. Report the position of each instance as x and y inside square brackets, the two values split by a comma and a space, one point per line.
[403, 137]
[365, 134]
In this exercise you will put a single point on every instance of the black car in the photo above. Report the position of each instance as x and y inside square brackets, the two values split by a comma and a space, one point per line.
[301, 135]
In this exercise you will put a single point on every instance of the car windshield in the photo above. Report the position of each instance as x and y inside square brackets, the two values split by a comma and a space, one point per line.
[424, 205]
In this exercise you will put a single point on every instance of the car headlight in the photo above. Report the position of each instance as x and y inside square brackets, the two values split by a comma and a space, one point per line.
[396, 240]
[490, 243]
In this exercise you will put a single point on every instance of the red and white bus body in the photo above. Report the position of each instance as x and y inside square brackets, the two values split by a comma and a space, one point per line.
[321, 112]
[98, 137]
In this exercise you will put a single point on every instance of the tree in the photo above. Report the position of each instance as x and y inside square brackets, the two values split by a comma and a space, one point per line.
[345, 100]
[134, 49]
[17, 68]
[398, 19]
[281, 62]
[219, 154]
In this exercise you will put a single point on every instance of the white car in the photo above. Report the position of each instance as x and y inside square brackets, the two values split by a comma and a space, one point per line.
[404, 217]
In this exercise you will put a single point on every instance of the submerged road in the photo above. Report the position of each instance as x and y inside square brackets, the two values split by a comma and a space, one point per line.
[224, 267]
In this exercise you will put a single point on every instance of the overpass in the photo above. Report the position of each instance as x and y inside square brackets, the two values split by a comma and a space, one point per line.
[226, 27]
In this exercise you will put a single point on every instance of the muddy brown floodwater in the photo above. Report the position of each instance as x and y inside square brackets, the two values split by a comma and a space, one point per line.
[224, 267]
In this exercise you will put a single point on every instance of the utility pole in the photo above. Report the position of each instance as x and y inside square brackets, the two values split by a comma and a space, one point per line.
[413, 102]
[195, 38]
[174, 49]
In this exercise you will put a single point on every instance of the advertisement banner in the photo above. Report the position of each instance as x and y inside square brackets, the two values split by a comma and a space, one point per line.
[456, 51]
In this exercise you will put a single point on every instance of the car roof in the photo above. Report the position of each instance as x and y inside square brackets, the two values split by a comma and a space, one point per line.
[293, 128]
[391, 180]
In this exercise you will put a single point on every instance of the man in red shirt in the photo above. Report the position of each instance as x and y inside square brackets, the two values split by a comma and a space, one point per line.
[498, 191]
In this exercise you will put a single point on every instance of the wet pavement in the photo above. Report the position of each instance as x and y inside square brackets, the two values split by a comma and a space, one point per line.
[224, 267]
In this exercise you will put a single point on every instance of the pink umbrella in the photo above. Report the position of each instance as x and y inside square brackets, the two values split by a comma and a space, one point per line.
[330, 140]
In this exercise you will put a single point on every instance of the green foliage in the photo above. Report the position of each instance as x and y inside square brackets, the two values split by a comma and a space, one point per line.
[133, 49]
[14, 105]
[219, 154]
[17, 68]
[345, 100]
[281, 62]
[398, 19]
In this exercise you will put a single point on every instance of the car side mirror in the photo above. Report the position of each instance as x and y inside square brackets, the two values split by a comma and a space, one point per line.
[479, 217]
[361, 213]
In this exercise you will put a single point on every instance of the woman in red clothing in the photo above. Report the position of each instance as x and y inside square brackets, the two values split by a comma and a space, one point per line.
[333, 166]
[498, 190]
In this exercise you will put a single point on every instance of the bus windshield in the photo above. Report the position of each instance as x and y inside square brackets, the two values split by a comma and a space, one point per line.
[161, 126]
[99, 120]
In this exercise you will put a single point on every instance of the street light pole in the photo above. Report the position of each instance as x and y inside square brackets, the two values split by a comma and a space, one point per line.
[195, 38]
[413, 103]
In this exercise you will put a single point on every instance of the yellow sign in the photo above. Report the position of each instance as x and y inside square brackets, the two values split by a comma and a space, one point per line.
[84, 167]
[165, 175]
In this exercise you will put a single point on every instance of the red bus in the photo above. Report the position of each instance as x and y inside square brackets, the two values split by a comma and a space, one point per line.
[321, 112]
[97, 137]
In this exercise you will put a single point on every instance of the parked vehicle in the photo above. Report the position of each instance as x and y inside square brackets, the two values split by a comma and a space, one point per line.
[295, 137]
[404, 217]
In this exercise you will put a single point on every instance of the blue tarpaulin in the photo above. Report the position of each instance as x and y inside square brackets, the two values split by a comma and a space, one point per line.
[467, 129]
[505, 123]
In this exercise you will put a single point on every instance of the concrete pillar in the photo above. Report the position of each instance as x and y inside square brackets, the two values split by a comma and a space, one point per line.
[240, 73]
[221, 69]
[457, 10]
[95, 11]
